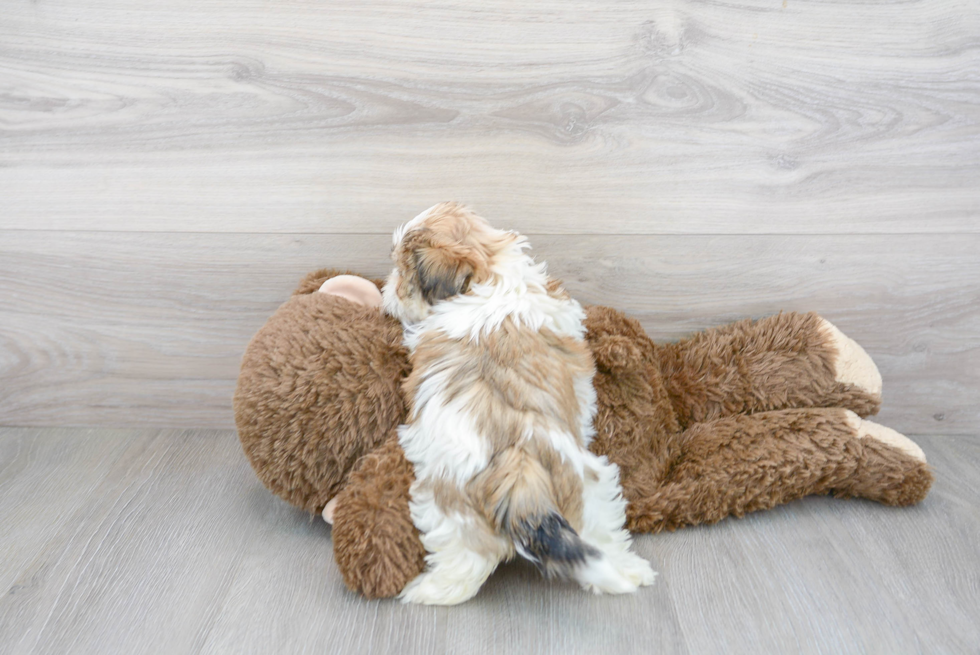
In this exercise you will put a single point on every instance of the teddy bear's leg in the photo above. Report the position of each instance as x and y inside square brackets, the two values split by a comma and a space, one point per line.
[743, 463]
[376, 545]
[461, 554]
[785, 361]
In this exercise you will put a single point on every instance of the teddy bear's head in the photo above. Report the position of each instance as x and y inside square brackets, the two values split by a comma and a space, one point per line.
[320, 386]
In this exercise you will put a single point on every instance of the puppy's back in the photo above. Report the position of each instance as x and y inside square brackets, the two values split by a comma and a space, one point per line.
[521, 390]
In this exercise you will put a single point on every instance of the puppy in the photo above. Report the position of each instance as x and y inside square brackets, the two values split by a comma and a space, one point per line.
[501, 408]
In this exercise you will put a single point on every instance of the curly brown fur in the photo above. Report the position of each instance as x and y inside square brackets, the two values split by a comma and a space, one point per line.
[777, 362]
[310, 402]
[635, 422]
[733, 457]
[376, 546]
[886, 475]
[743, 463]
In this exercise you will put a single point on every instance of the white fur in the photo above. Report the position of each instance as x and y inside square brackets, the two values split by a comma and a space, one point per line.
[585, 393]
[568, 448]
[603, 521]
[518, 291]
[412, 312]
[443, 443]
[455, 570]
[442, 440]
[399, 232]
[408, 313]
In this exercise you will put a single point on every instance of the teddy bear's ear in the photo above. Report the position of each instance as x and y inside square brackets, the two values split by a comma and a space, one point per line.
[615, 353]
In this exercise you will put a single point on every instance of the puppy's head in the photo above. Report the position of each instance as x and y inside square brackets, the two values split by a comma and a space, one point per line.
[439, 254]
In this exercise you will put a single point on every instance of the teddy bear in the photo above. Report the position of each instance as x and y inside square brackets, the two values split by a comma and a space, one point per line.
[733, 419]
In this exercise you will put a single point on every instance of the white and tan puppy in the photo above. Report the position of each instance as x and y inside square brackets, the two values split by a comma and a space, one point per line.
[501, 408]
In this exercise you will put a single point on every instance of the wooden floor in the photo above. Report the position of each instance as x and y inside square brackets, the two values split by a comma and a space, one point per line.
[163, 541]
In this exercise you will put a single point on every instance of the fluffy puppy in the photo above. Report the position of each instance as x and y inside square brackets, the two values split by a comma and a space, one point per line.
[501, 408]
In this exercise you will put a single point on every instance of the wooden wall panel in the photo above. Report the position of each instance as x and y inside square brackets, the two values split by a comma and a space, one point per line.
[168, 171]
[603, 117]
[147, 329]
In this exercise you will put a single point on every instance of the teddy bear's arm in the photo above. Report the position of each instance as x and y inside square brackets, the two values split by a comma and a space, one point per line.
[780, 362]
[739, 464]
[376, 546]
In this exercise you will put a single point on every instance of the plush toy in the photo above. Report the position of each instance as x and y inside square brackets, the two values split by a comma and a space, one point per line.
[734, 419]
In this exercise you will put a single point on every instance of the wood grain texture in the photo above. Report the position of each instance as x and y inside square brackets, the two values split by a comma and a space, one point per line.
[168, 543]
[168, 172]
[45, 478]
[128, 566]
[148, 329]
[599, 117]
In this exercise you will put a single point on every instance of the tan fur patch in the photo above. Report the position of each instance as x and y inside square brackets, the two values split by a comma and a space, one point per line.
[510, 379]
[518, 387]
[450, 249]
[528, 479]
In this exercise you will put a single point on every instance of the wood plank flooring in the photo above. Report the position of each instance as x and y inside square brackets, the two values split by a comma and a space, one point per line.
[163, 541]
[168, 171]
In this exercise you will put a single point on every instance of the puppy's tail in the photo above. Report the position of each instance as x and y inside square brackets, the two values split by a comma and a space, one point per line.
[520, 502]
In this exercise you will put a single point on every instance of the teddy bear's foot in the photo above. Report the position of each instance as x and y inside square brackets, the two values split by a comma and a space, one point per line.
[891, 468]
[870, 430]
[852, 366]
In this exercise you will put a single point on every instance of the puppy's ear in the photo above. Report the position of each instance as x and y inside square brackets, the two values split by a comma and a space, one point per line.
[443, 272]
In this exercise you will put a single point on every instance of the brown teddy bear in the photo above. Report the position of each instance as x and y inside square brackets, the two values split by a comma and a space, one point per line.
[731, 420]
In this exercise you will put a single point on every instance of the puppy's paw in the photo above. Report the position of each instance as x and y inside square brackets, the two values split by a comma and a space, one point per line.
[870, 430]
[420, 591]
[852, 365]
[636, 569]
[434, 589]
[603, 576]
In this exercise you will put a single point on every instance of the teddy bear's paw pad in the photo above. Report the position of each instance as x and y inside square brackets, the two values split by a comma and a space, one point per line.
[871, 430]
[853, 365]
[329, 509]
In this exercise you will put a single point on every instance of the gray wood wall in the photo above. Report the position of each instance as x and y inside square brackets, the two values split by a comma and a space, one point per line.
[169, 170]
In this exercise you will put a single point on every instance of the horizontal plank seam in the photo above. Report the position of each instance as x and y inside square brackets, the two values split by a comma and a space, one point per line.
[530, 234]
[184, 429]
